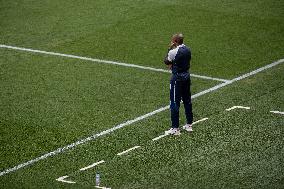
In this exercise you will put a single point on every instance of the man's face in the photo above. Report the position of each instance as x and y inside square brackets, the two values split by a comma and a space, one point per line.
[174, 39]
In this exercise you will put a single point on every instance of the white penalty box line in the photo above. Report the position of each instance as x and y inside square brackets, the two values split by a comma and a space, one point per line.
[129, 122]
[105, 61]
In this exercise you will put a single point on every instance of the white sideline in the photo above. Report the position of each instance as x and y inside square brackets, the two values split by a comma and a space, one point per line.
[105, 61]
[277, 112]
[61, 179]
[162, 136]
[93, 165]
[62, 149]
[126, 151]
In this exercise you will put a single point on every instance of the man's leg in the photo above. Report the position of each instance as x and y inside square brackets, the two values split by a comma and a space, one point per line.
[186, 97]
[175, 98]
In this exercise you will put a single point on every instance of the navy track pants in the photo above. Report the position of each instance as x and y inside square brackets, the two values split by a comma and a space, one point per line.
[180, 90]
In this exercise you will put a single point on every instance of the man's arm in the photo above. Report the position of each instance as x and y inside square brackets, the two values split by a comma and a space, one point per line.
[169, 57]
[166, 61]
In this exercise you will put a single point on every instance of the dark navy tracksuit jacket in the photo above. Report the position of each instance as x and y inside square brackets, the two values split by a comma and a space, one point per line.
[180, 83]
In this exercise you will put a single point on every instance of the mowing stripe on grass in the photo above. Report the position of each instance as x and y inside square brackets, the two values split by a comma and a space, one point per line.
[126, 151]
[105, 61]
[93, 165]
[62, 149]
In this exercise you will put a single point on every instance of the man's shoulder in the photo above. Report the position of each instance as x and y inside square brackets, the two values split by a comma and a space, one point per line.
[185, 46]
[184, 49]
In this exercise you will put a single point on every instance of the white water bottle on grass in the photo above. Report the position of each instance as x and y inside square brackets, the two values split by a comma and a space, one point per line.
[98, 179]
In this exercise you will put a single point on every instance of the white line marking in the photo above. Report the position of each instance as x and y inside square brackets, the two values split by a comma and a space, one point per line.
[204, 119]
[104, 61]
[93, 137]
[162, 136]
[175, 92]
[100, 187]
[209, 78]
[277, 112]
[238, 78]
[126, 151]
[93, 165]
[61, 179]
[258, 70]
[238, 107]
[159, 137]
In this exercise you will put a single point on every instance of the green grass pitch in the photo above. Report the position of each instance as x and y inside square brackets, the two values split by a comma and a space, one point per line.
[48, 102]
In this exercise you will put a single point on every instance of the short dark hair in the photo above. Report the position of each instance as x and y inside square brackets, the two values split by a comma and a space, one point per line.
[178, 38]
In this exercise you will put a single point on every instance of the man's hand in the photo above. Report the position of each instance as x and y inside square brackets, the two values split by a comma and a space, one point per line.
[172, 45]
[170, 66]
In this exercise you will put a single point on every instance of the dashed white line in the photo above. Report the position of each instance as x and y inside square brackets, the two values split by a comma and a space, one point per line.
[61, 179]
[126, 151]
[93, 165]
[277, 112]
[238, 107]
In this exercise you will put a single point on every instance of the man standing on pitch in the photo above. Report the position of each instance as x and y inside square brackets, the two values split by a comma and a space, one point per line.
[178, 60]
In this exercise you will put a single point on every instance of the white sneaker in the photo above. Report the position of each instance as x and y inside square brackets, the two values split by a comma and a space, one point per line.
[173, 131]
[188, 127]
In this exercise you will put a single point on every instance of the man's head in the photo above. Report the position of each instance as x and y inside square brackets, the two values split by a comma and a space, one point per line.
[177, 38]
